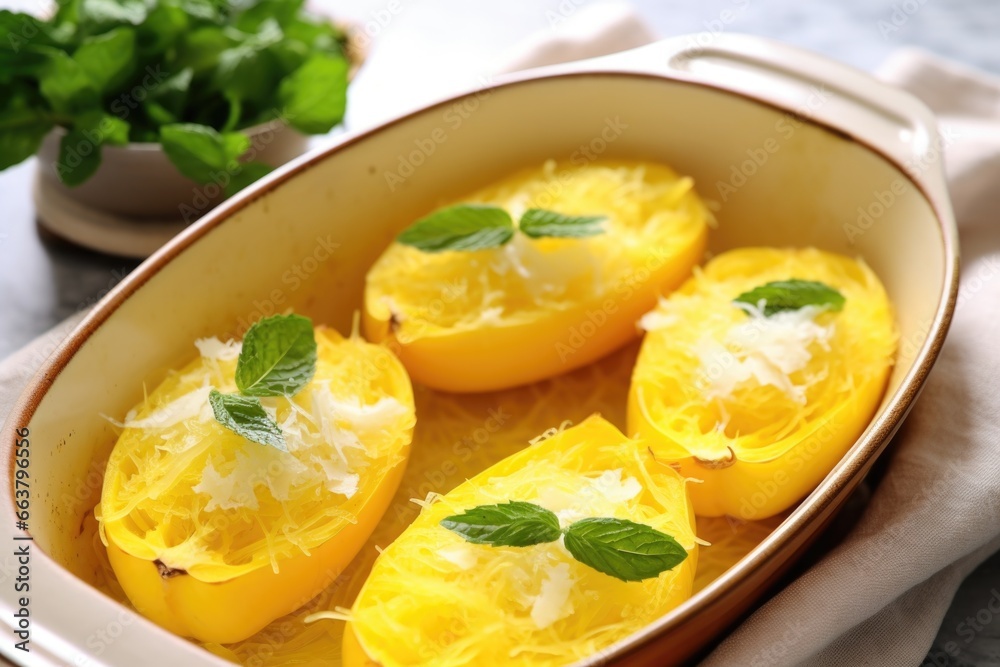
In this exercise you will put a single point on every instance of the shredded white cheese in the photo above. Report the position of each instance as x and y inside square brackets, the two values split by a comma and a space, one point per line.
[552, 602]
[460, 555]
[213, 348]
[767, 350]
[658, 318]
[190, 405]
[226, 492]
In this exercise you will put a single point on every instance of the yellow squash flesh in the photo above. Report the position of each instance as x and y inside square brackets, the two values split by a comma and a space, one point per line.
[434, 599]
[210, 554]
[497, 318]
[761, 447]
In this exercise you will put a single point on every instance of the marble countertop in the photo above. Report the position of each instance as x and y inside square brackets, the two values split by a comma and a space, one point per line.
[422, 49]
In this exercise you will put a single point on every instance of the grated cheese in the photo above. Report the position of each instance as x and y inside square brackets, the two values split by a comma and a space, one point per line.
[213, 348]
[553, 603]
[765, 350]
[460, 555]
[191, 405]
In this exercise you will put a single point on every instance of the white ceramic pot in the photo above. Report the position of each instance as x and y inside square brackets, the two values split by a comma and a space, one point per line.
[139, 181]
[795, 149]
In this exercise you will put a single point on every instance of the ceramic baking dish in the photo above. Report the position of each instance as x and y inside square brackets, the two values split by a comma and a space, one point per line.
[794, 149]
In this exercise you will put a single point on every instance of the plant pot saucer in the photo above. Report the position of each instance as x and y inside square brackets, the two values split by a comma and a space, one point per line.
[100, 230]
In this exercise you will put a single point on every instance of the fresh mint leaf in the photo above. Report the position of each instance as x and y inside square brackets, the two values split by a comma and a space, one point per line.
[65, 84]
[511, 524]
[278, 356]
[23, 125]
[212, 63]
[164, 26]
[19, 30]
[200, 152]
[28, 62]
[79, 157]
[793, 294]
[21, 142]
[199, 50]
[248, 71]
[166, 101]
[80, 148]
[103, 128]
[460, 227]
[245, 416]
[248, 173]
[234, 144]
[208, 11]
[623, 549]
[314, 96]
[97, 16]
[538, 223]
[108, 59]
[253, 13]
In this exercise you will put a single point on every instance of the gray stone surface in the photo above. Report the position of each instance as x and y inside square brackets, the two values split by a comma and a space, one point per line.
[425, 48]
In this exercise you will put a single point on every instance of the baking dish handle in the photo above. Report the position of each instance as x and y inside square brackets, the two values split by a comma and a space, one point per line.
[808, 85]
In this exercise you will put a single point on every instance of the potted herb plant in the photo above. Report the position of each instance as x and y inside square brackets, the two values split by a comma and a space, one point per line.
[161, 108]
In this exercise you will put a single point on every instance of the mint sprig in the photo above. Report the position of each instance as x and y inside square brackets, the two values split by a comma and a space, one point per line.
[537, 223]
[783, 295]
[278, 358]
[222, 66]
[512, 524]
[460, 227]
[466, 227]
[245, 416]
[624, 549]
[619, 548]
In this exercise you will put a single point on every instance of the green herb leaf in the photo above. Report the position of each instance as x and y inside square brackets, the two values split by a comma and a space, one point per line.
[278, 356]
[245, 416]
[537, 223]
[102, 128]
[247, 71]
[249, 173]
[200, 152]
[200, 49]
[108, 59]
[511, 524]
[314, 96]
[99, 15]
[166, 101]
[793, 294]
[253, 13]
[460, 227]
[23, 124]
[162, 29]
[623, 549]
[65, 84]
[79, 157]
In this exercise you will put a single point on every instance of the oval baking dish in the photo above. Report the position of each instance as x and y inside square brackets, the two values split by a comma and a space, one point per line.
[794, 149]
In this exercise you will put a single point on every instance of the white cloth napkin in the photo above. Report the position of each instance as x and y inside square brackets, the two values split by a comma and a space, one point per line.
[879, 597]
